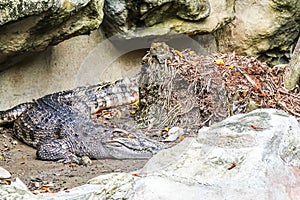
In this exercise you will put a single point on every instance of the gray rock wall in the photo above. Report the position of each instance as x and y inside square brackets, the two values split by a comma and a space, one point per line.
[66, 66]
[131, 19]
[267, 29]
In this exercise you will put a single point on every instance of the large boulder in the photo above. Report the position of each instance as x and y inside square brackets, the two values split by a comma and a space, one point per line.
[29, 26]
[266, 29]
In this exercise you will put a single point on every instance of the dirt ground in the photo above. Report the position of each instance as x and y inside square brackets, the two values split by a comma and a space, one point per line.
[47, 176]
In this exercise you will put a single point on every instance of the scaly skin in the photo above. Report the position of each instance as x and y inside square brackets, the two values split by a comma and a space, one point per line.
[61, 127]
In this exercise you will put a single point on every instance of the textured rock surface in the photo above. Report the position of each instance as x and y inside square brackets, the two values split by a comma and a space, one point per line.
[229, 160]
[293, 73]
[29, 26]
[17, 191]
[255, 155]
[4, 174]
[267, 29]
[159, 17]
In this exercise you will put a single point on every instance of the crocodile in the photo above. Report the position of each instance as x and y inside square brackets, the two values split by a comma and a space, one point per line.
[61, 125]
[64, 125]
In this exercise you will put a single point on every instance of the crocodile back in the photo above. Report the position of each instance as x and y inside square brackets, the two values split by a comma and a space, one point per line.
[104, 96]
[58, 115]
[43, 121]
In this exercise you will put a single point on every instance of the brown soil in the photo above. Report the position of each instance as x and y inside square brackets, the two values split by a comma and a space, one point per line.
[20, 160]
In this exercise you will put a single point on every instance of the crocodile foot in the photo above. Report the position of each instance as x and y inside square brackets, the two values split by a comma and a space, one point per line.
[57, 150]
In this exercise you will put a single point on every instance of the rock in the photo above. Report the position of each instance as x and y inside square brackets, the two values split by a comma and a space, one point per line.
[19, 184]
[29, 26]
[266, 29]
[115, 185]
[292, 75]
[131, 19]
[173, 134]
[230, 159]
[85, 160]
[109, 186]
[4, 174]
[17, 191]
[8, 192]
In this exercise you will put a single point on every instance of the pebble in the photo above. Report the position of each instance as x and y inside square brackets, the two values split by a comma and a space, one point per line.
[174, 133]
[4, 174]
[19, 184]
[86, 161]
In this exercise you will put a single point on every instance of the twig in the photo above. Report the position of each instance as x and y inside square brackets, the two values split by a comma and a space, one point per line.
[289, 110]
[247, 77]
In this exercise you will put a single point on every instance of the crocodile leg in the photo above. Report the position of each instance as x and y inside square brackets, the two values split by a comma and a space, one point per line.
[68, 151]
[58, 149]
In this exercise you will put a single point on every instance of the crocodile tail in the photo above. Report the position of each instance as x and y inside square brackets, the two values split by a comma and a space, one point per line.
[10, 115]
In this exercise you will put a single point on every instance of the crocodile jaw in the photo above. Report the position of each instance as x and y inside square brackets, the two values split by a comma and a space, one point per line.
[133, 148]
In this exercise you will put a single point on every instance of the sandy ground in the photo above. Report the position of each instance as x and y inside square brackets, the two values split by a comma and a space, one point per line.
[19, 159]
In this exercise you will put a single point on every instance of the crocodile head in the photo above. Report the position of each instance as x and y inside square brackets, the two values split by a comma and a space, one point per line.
[133, 147]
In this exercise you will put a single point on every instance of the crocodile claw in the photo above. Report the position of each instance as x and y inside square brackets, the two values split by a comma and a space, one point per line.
[71, 158]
